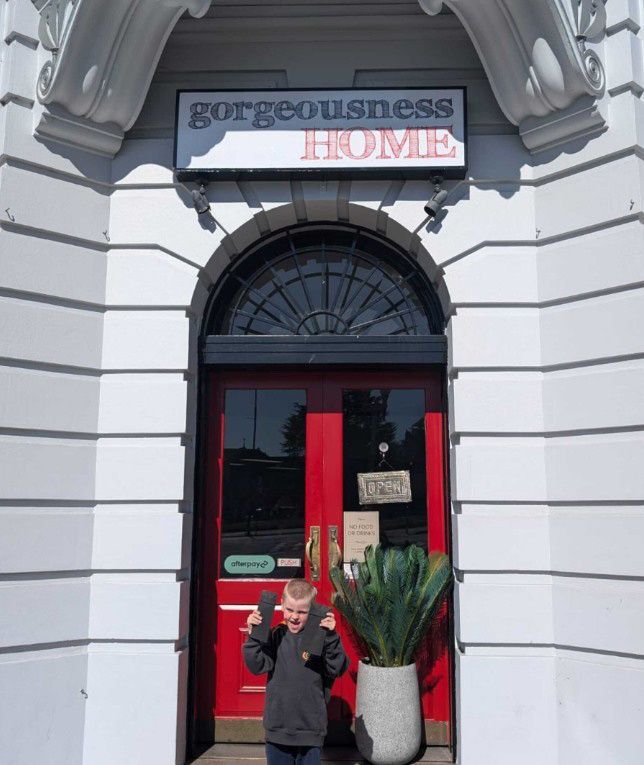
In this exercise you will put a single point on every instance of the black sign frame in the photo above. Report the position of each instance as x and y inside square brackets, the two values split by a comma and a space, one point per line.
[208, 175]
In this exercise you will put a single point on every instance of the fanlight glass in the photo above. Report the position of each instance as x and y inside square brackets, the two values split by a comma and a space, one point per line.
[341, 283]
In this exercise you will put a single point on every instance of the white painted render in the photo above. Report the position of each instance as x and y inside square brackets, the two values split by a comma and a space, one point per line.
[104, 274]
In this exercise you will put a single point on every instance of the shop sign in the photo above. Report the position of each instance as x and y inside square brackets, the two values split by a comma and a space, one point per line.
[401, 133]
[384, 488]
[245, 565]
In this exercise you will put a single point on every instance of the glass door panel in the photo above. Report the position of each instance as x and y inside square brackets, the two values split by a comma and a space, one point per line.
[262, 519]
[396, 418]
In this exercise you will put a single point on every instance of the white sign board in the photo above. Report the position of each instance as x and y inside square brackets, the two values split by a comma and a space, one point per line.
[412, 132]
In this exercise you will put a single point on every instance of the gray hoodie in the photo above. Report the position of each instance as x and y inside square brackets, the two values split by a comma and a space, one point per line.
[297, 691]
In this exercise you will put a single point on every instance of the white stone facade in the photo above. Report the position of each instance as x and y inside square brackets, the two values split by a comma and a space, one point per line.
[104, 275]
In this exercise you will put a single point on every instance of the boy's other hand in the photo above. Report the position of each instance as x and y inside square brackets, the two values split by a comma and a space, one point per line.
[253, 618]
[328, 622]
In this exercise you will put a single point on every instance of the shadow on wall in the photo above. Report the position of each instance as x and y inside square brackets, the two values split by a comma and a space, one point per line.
[93, 167]
[499, 174]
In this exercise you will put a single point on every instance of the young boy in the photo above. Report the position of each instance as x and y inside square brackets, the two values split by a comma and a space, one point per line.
[295, 718]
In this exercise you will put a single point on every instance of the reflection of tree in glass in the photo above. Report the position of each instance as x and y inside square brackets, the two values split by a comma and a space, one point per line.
[413, 446]
[374, 416]
[294, 432]
[261, 489]
[366, 425]
[413, 441]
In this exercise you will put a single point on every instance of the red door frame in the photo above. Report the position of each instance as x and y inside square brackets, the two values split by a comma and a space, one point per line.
[323, 458]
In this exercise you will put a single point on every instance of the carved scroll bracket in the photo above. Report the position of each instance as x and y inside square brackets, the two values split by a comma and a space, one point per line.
[545, 77]
[103, 57]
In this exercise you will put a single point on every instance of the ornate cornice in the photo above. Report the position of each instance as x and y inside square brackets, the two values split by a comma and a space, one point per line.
[104, 53]
[103, 56]
[535, 53]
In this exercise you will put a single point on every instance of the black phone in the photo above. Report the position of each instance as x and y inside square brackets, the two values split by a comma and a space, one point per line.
[313, 635]
[266, 607]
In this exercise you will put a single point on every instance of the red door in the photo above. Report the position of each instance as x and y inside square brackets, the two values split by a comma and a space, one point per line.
[283, 452]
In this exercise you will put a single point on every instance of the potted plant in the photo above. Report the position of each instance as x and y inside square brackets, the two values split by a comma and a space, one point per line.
[390, 604]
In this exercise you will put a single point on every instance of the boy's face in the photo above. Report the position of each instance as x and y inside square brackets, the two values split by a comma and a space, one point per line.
[296, 612]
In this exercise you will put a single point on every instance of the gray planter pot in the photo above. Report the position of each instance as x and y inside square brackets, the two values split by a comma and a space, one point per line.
[388, 720]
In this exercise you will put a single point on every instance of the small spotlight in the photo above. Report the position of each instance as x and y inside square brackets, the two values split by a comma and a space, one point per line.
[200, 200]
[433, 207]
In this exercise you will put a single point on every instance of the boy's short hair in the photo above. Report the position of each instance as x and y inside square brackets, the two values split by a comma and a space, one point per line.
[300, 589]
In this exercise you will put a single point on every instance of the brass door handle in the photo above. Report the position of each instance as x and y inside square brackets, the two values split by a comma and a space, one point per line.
[312, 552]
[335, 553]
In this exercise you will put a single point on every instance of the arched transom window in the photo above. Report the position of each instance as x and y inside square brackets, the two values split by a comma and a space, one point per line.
[325, 281]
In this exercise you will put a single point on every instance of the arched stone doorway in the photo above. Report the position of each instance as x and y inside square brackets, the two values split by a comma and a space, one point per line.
[319, 342]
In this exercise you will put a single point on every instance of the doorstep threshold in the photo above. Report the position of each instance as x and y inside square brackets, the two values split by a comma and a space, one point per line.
[253, 754]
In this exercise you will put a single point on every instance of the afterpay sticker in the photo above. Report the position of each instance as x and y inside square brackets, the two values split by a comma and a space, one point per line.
[249, 564]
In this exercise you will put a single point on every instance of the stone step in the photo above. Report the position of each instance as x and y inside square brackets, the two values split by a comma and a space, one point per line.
[253, 754]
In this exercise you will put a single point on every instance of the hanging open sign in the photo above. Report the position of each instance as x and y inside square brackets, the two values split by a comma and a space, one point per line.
[408, 133]
[384, 488]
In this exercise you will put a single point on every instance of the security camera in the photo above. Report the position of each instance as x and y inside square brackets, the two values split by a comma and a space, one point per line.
[435, 204]
[433, 207]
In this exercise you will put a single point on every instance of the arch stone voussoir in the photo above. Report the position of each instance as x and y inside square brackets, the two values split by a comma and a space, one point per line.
[275, 217]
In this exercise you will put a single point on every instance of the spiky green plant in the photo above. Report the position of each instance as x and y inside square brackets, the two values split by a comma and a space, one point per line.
[392, 599]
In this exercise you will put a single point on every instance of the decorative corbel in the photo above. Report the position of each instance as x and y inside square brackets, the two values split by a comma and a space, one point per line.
[103, 56]
[546, 80]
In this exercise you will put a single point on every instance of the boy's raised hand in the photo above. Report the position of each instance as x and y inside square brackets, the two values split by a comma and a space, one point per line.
[253, 619]
[328, 622]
